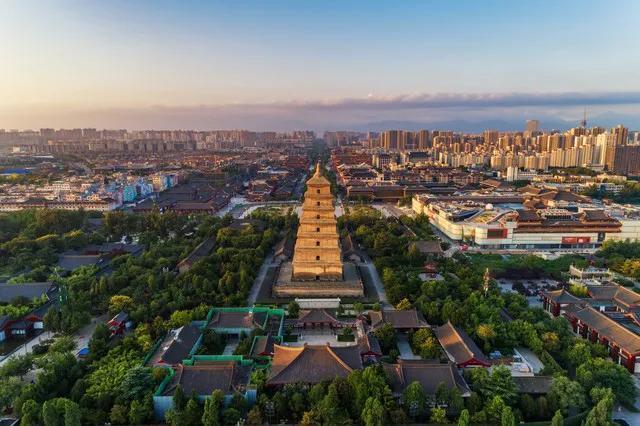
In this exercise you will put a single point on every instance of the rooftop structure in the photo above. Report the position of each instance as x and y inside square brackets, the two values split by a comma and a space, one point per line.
[623, 344]
[312, 364]
[459, 347]
[410, 319]
[428, 374]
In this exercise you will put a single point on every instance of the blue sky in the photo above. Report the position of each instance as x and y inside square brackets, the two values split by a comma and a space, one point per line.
[275, 63]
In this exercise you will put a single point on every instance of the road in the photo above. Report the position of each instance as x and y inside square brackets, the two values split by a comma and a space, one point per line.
[454, 245]
[619, 412]
[27, 347]
[242, 210]
[297, 192]
[339, 209]
[377, 282]
[81, 337]
[257, 283]
[391, 210]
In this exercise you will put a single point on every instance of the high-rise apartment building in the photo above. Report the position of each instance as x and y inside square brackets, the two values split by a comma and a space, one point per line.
[532, 126]
[626, 159]
[491, 136]
[424, 139]
[621, 134]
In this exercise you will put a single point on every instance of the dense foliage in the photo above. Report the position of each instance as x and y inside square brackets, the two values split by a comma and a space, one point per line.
[496, 321]
[30, 240]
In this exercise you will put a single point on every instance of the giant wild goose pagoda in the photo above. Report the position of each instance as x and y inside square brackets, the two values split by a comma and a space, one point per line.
[317, 269]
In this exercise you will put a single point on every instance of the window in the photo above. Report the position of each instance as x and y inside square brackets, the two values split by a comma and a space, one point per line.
[317, 243]
[318, 203]
[317, 257]
[317, 191]
[317, 216]
[317, 229]
[317, 277]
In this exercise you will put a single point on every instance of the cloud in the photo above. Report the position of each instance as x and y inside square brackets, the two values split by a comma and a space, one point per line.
[460, 100]
[469, 111]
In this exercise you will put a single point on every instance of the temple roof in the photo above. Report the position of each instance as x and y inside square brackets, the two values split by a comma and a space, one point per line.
[312, 364]
[410, 318]
[428, 374]
[458, 345]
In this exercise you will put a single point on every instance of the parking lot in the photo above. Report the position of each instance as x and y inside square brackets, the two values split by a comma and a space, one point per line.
[530, 288]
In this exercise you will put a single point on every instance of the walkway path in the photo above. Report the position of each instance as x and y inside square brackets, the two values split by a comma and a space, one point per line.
[404, 347]
[257, 283]
[231, 346]
[27, 347]
[619, 412]
[81, 338]
[375, 277]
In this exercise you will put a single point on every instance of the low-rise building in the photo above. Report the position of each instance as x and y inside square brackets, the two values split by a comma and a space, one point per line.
[459, 347]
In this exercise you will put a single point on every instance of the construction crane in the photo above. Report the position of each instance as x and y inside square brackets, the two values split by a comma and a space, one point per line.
[583, 122]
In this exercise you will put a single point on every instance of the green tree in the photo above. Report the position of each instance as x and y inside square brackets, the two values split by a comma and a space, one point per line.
[403, 305]
[293, 309]
[9, 389]
[487, 334]
[180, 318]
[50, 414]
[254, 417]
[500, 383]
[63, 344]
[30, 413]
[118, 303]
[72, 415]
[141, 412]
[567, 393]
[386, 335]
[438, 416]
[330, 409]
[508, 419]
[600, 415]
[557, 419]
[494, 409]
[414, 396]
[16, 365]
[213, 408]
[528, 406]
[179, 399]
[372, 413]
[119, 414]
[99, 343]
[463, 420]
[137, 383]
[603, 373]
[192, 413]
[231, 416]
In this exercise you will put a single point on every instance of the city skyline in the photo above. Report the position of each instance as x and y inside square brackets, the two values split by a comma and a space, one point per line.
[286, 65]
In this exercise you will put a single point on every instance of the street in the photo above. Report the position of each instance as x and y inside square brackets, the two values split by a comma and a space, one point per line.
[81, 337]
[375, 278]
[257, 283]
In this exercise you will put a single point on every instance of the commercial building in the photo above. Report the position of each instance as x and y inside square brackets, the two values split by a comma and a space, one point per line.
[494, 227]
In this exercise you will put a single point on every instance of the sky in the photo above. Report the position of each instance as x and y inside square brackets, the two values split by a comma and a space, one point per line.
[282, 65]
